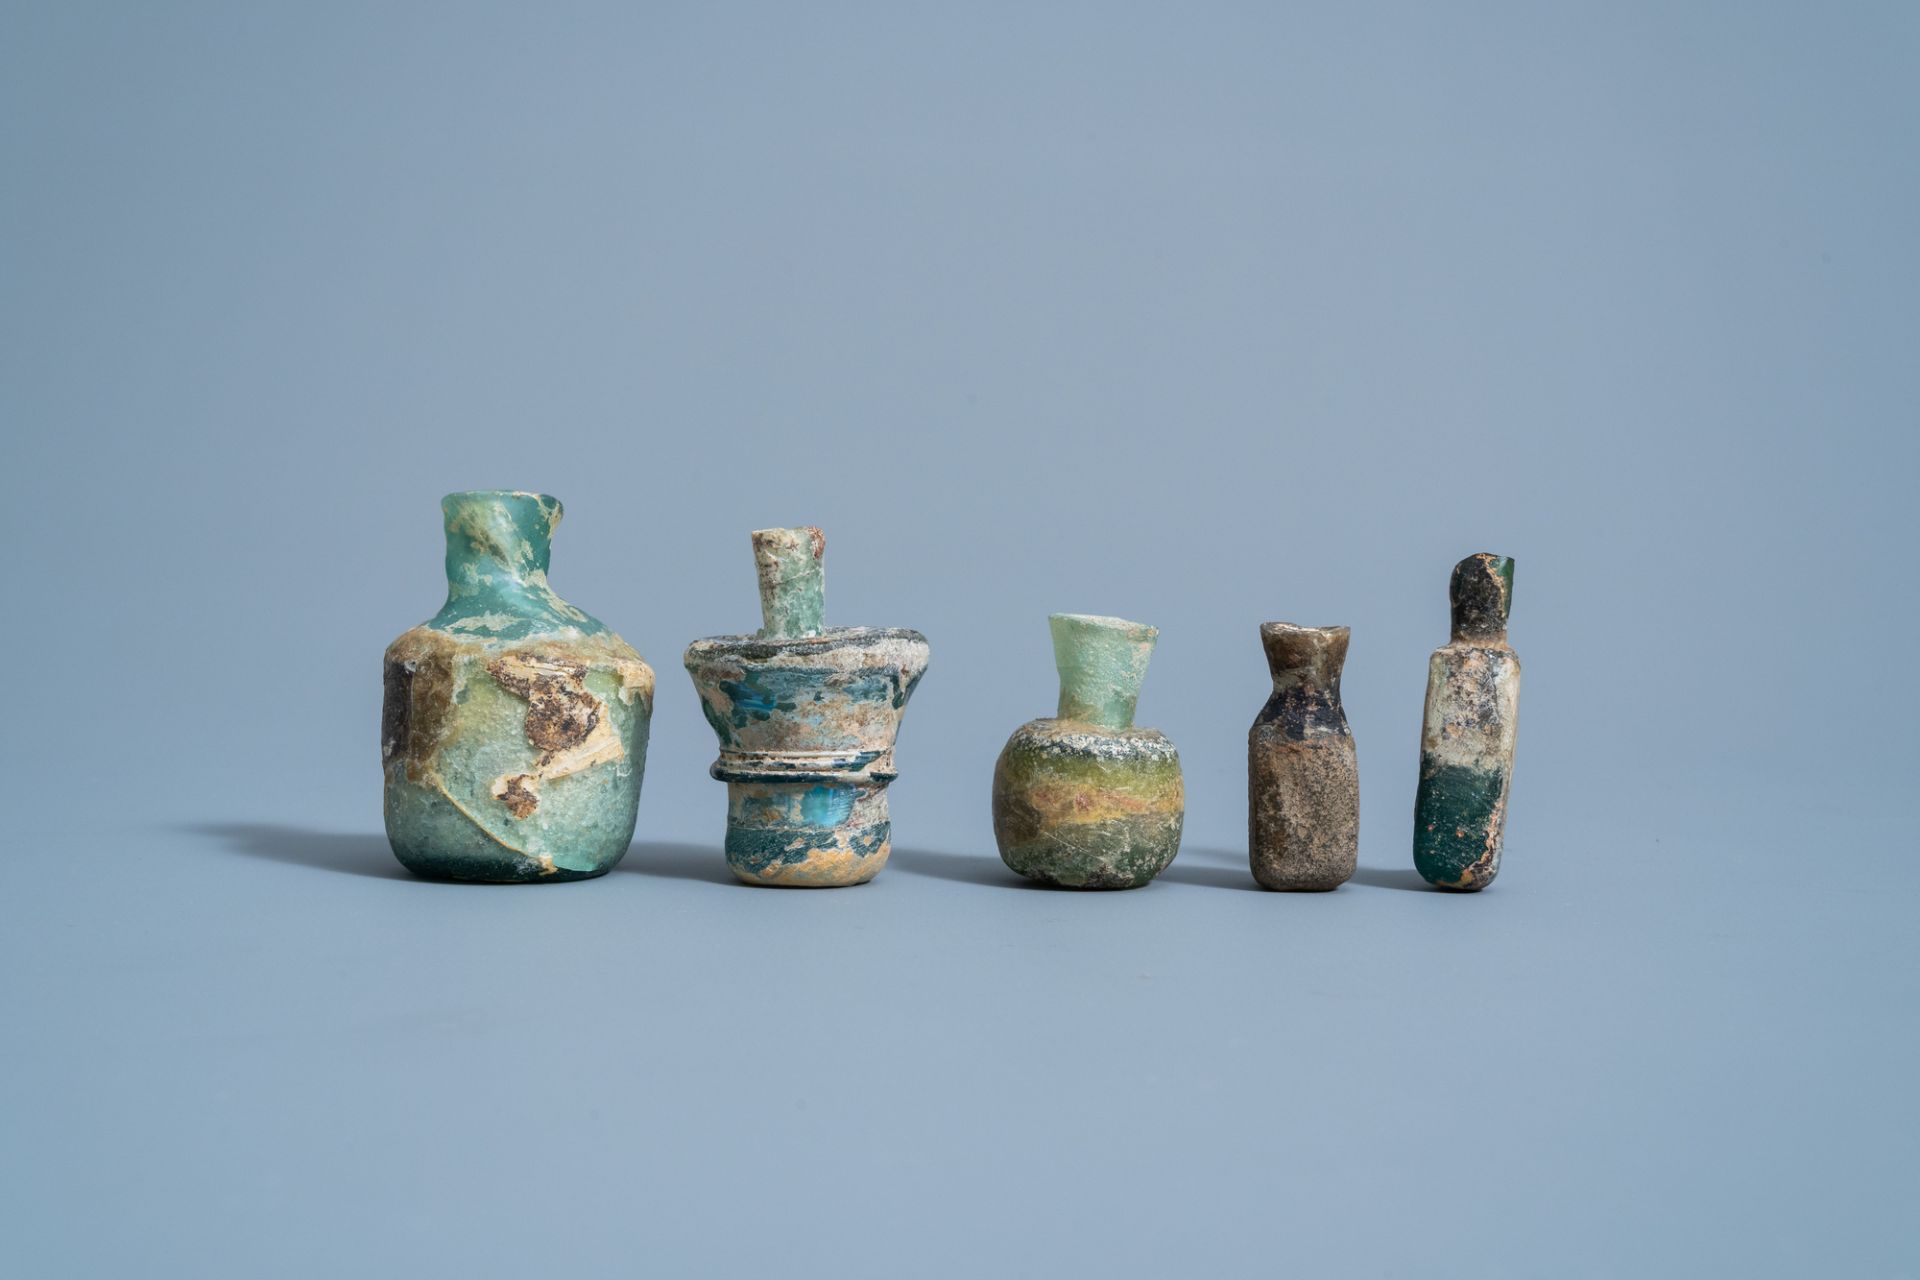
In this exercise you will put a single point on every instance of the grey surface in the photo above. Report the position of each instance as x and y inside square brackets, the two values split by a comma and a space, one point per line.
[1201, 317]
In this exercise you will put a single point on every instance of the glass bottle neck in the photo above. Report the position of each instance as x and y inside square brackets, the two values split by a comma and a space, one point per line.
[498, 548]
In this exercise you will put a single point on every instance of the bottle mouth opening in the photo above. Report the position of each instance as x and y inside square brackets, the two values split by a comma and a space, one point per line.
[500, 495]
[1292, 629]
[1105, 622]
[1294, 651]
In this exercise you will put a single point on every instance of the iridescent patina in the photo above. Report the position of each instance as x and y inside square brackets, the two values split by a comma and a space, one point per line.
[1466, 743]
[806, 716]
[1303, 777]
[514, 732]
[1082, 799]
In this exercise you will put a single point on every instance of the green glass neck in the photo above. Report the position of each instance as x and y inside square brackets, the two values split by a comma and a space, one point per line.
[793, 581]
[1102, 663]
[499, 544]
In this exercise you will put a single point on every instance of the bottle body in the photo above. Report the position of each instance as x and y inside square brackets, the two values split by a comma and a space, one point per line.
[1078, 806]
[513, 726]
[513, 764]
[1466, 764]
[1303, 819]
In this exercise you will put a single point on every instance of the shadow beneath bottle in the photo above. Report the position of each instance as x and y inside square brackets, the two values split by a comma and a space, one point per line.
[345, 852]
[1201, 853]
[1227, 869]
[1211, 869]
[1397, 878]
[973, 868]
[370, 855]
[690, 862]
[679, 862]
[961, 868]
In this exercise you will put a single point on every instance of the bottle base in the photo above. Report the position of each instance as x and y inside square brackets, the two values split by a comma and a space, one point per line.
[808, 858]
[1301, 871]
[802, 877]
[1096, 856]
[1311, 887]
[1460, 888]
[514, 870]
[1090, 886]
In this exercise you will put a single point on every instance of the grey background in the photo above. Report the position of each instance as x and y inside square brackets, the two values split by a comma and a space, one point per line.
[1198, 314]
